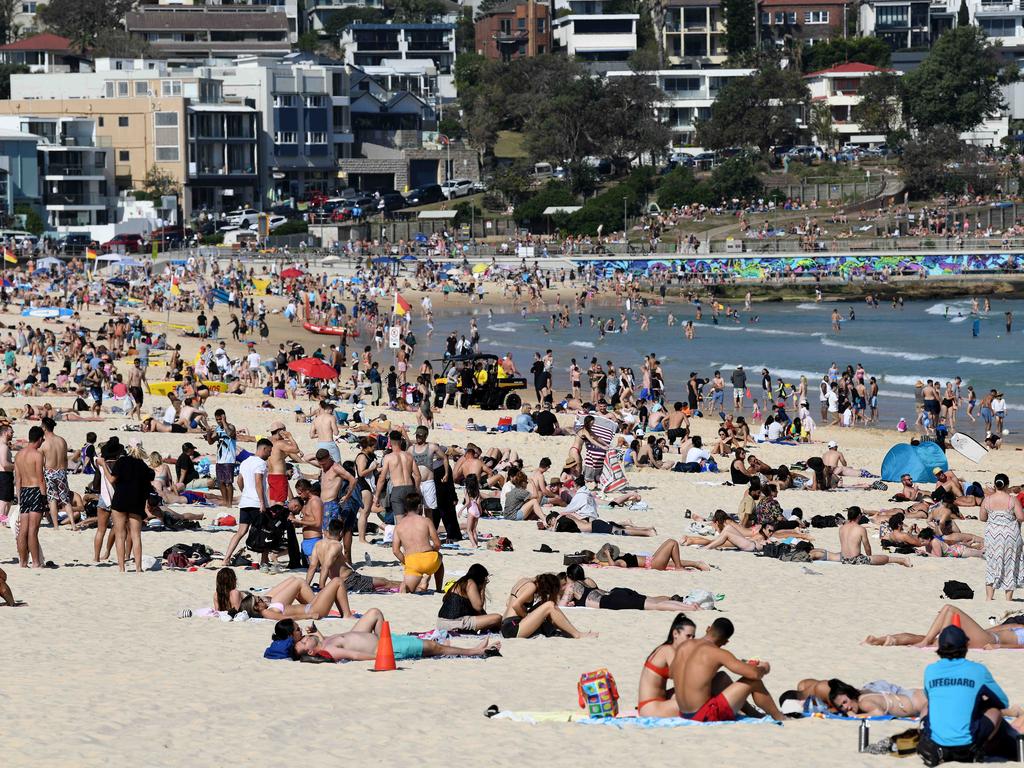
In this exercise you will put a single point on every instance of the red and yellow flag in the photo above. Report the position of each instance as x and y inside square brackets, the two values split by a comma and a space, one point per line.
[402, 306]
[90, 253]
[9, 257]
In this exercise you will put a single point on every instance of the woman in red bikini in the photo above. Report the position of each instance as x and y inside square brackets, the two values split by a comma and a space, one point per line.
[655, 700]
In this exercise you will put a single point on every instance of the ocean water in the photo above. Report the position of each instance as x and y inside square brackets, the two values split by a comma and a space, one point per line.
[925, 339]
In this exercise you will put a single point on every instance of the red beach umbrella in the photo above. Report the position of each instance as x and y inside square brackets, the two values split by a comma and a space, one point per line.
[313, 368]
[292, 272]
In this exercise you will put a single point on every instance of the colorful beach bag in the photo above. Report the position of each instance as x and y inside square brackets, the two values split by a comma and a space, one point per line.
[598, 694]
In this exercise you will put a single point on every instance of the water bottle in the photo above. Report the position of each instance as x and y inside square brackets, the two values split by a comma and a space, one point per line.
[864, 736]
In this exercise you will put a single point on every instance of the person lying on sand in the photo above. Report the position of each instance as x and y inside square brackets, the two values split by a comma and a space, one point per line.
[1009, 634]
[666, 557]
[654, 699]
[936, 545]
[872, 699]
[227, 596]
[333, 595]
[582, 592]
[532, 609]
[567, 522]
[328, 559]
[360, 643]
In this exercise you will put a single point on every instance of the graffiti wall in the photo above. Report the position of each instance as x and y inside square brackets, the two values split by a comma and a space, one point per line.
[759, 267]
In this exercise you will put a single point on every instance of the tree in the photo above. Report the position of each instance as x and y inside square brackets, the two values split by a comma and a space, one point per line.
[679, 187]
[958, 83]
[566, 129]
[963, 16]
[82, 21]
[336, 21]
[927, 161]
[531, 211]
[8, 29]
[758, 110]
[157, 182]
[465, 33]
[416, 11]
[513, 183]
[118, 44]
[605, 211]
[828, 53]
[739, 26]
[736, 178]
[881, 107]
[629, 127]
[33, 221]
[6, 70]
[820, 124]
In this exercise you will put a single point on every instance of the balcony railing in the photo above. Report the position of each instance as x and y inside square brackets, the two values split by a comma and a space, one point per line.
[73, 170]
[75, 199]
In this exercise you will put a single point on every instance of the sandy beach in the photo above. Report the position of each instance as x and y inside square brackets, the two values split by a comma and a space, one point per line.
[98, 667]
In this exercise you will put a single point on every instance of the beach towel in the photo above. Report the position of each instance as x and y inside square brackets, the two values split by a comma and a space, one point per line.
[622, 721]
[603, 429]
[613, 475]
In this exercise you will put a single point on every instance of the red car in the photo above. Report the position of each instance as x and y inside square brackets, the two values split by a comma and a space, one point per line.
[123, 243]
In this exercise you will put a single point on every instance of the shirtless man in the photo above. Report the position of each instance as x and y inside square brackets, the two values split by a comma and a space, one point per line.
[332, 475]
[309, 515]
[834, 458]
[6, 470]
[136, 376]
[324, 430]
[471, 464]
[695, 668]
[930, 398]
[366, 469]
[949, 482]
[538, 485]
[360, 643]
[398, 470]
[284, 448]
[189, 413]
[908, 490]
[55, 472]
[418, 547]
[328, 558]
[678, 424]
[31, 489]
[855, 546]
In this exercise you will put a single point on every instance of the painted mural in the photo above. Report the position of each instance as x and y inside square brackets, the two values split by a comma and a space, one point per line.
[848, 265]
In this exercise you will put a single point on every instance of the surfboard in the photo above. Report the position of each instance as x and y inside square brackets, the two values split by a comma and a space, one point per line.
[968, 447]
[47, 312]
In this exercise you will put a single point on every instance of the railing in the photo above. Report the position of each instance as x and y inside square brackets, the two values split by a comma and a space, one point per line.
[882, 245]
[73, 170]
[75, 199]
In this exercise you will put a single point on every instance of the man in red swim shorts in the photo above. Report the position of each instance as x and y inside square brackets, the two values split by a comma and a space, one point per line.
[285, 448]
[703, 690]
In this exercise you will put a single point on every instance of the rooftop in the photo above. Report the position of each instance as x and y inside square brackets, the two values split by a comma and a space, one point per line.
[849, 68]
[215, 19]
[43, 42]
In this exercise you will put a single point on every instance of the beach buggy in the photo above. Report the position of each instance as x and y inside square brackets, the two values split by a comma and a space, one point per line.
[474, 380]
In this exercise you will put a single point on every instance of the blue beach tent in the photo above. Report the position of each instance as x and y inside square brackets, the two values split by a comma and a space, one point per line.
[918, 461]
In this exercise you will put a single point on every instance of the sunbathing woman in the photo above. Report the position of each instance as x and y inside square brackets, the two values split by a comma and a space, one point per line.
[567, 522]
[227, 596]
[532, 609]
[999, 636]
[666, 557]
[333, 595]
[939, 546]
[654, 698]
[873, 699]
[582, 592]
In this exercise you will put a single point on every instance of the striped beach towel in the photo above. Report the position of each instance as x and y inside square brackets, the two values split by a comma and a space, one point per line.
[603, 429]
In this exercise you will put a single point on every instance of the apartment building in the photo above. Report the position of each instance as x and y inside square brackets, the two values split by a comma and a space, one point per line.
[907, 24]
[839, 88]
[145, 112]
[693, 32]
[609, 37]
[200, 32]
[809, 21]
[19, 171]
[370, 44]
[514, 30]
[688, 96]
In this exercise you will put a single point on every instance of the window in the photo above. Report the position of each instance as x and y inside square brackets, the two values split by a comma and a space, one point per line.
[122, 87]
[682, 84]
[998, 27]
[28, 7]
[286, 137]
[99, 159]
[284, 100]
[791, 18]
[313, 102]
[166, 134]
[506, 26]
[141, 88]
[316, 138]
[520, 23]
[541, 26]
[170, 87]
[124, 156]
[780, 17]
[166, 119]
[889, 16]
[815, 17]
[766, 18]
[100, 122]
[167, 154]
[122, 121]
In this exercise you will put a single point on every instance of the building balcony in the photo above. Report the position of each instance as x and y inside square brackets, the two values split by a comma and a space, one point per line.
[999, 6]
[79, 172]
[59, 202]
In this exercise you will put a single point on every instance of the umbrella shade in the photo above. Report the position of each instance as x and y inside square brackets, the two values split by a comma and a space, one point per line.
[419, 237]
[313, 368]
[120, 281]
[408, 257]
[478, 268]
[49, 261]
[292, 272]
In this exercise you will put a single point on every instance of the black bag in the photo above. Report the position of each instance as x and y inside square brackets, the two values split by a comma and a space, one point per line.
[933, 754]
[957, 590]
[775, 549]
[823, 521]
[576, 559]
[491, 505]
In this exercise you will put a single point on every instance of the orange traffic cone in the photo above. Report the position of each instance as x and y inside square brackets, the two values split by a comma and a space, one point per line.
[956, 623]
[385, 661]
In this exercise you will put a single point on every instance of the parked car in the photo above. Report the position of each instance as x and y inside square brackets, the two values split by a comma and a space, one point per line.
[243, 217]
[431, 193]
[453, 188]
[806, 152]
[123, 243]
[75, 243]
[167, 237]
[275, 221]
[477, 187]
[392, 201]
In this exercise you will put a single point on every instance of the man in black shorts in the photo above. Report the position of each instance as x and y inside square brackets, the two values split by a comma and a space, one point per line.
[6, 470]
[31, 487]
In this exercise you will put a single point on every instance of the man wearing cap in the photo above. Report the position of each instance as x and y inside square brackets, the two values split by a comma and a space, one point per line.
[739, 386]
[834, 458]
[332, 475]
[964, 718]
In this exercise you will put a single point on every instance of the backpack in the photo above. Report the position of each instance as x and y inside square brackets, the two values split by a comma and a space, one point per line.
[824, 521]
[775, 549]
[957, 590]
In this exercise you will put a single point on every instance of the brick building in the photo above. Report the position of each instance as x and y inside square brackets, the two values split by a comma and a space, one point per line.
[808, 20]
[514, 30]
